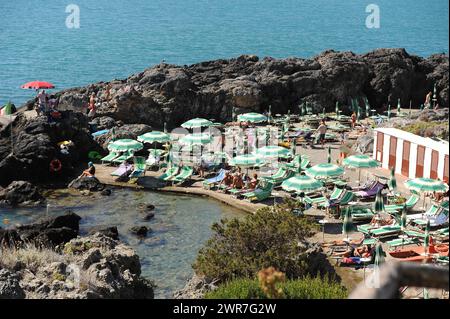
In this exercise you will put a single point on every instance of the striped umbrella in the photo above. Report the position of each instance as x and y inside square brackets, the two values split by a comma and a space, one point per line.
[366, 102]
[398, 107]
[7, 109]
[392, 183]
[325, 170]
[196, 139]
[273, 151]
[301, 183]
[154, 137]
[125, 145]
[423, 184]
[252, 117]
[337, 109]
[269, 114]
[247, 160]
[347, 225]
[360, 161]
[294, 147]
[389, 111]
[379, 203]
[197, 122]
[165, 127]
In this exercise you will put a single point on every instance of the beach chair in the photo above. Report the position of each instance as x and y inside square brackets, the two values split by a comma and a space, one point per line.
[366, 186]
[110, 157]
[410, 203]
[185, 173]
[372, 192]
[125, 156]
[335, 195]
[361, 213]
[399, 242]
[123, 169]
[139, 167]
[445, 204]
[207, 183]
[171, 171]
[315, 201]
[433, 210]
[280, 176]
[259, 194]
[346, 197]
[439, 219]
[383, 231]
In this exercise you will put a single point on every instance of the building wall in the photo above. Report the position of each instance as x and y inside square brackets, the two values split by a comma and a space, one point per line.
[427, 162]
[413, 160]
[399, 156]
[386, 144]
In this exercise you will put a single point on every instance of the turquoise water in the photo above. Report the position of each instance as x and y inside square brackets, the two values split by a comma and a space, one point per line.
[181, 226]
[117, 38]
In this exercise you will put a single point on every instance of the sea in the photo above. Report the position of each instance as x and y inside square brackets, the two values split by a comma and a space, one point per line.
[76, 42]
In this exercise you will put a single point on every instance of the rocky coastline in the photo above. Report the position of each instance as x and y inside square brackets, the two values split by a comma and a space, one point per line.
[48, 259]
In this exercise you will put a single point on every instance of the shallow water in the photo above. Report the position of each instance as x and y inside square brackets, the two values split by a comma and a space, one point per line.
[117, 38]
[180, 227]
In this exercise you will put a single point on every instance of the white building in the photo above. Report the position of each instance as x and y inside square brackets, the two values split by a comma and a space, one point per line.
[410, 154]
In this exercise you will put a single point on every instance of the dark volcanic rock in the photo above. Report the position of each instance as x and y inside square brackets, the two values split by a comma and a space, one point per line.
[10, 286]
[36, 145]
[21, 193]
[109, 231]
[87, 183]
[140, 231]
[173, 94]
[51, 231]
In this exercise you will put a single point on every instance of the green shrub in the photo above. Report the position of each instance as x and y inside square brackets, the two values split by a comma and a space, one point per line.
[306, 288]
[428, 129]
[270, 237]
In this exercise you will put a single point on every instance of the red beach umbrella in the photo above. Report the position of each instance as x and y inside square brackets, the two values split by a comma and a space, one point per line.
[37, 85]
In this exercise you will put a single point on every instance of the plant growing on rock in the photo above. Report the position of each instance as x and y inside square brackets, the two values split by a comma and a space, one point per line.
[271, 237]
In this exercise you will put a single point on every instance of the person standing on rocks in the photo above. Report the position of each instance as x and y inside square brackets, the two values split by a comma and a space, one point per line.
[428, 100]
[353, 117]
[91, 113]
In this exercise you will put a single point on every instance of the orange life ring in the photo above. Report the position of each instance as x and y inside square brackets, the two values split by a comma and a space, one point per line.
[55, 165]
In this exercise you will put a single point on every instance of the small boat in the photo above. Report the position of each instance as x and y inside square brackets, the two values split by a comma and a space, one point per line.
[417, 254]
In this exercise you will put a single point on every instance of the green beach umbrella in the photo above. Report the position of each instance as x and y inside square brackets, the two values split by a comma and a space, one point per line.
[323, 112]
[347, 225]
[301, 183]
[269, 114]
[398, 107]
[247, 160]
[423, 184]
[366, 102]
[410, 107]
[379, 255]
[294, 147]
[360, 161]
[7, 109]
[233, 114]
[337, 108]
[329, 155]
[252, 117]
[325, 171]
[165, 127]
[125, 145]
[196, 139]
[389, 111]
[154, 137]
[196, 123]
[379, 203]
[273, 151]
[392, 183]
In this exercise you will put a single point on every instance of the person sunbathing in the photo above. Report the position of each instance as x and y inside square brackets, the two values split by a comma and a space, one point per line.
[227, 180]
[237, 181]
[253, 182]
[90, 172]
[378, 221]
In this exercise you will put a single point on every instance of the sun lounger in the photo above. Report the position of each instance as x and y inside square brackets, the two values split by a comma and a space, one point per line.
[365, 187]
[346, 197]
[280, 176]
[259, 194]
[124, 168]
[384, 231]
[110, 157]
[171, 171]
[445, 204]
[439, 219]
[410, 203]
[433, 210]
[207, 183]
[139, 167]
[335, 196]
[125, 156]
[371, 192]
[361, 213]
[185, 173]
[398, 242]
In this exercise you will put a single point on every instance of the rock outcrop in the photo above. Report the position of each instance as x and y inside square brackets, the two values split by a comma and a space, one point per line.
[173, 94]
[21, 193]
[91, 267]
[36, 145]
[48, 232]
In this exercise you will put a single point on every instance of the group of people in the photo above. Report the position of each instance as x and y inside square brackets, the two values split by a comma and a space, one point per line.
[239, 180]
[46, 104]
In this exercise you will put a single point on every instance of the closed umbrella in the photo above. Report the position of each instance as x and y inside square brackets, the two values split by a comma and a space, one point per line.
[7, 109]
[398, 107]
[366, 102]
[196, 123]
[404, 220]
[379, 255]
[337, 109]
[426, 243]
[392, 183]
[389, 111]
[325, 171]
[347, 225]
[269, 114]
[252, 117]
[124, 145]
[301, 183]
[329, 155]
[379, 203]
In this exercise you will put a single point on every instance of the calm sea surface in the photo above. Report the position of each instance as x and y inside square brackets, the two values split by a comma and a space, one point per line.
[117, 38]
